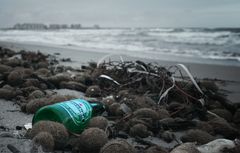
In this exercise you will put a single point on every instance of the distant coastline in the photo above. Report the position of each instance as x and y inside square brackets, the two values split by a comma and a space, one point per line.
[42, 26]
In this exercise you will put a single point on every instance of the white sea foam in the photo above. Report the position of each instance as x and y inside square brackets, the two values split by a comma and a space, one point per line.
[221, 45]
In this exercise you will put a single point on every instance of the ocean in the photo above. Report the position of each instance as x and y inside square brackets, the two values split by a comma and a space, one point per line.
[220, 45]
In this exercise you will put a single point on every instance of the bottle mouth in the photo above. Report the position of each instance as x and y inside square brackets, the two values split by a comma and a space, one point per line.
[98, 108]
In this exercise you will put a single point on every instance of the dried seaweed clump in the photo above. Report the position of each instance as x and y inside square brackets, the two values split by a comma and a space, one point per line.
[57, 130]
[117, 146]
[92, 139]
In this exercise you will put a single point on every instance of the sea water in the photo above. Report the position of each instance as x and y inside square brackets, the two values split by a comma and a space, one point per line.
[219, 44]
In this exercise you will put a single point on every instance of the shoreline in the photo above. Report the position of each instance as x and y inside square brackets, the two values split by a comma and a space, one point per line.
[81, 56]
[13, 117]
[227, 73]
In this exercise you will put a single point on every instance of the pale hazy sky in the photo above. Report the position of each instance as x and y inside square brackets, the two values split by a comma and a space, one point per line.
[127, 13]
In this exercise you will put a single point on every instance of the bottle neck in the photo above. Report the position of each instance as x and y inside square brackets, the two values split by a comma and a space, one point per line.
[97, 108]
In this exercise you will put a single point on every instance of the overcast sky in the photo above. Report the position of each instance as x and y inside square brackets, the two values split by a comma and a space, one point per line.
[127, 13]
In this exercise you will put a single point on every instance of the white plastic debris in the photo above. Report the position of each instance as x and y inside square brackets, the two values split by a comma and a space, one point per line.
[28, 126]
[109, 78]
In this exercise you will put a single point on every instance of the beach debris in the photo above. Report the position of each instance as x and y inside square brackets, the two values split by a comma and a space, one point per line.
[198, 136]
[217, 146]
[93, 91]
[92, 139]
[224, 113]
[236, 117]
[57, 130]
[28, 126]
[117, 146]
[156, 149]
[13, 149]
[36, 94]
[73, 85]
[99, 122]
[146, 113]
[142, 100]
[108, 78]
[45, 140]
[139, 130]
[222, 127]
[167, 136]
[115, 109]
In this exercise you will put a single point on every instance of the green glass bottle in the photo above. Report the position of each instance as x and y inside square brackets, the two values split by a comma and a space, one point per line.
[74, 114]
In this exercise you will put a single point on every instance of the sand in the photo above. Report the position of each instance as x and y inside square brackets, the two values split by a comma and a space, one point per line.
[11, 116]
[79, 56]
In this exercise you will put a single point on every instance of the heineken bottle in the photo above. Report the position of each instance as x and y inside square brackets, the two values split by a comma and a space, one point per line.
[74, 114]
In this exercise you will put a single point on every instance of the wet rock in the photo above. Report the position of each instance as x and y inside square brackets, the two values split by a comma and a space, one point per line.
[57, 130]
[156, 149]
[73, 85]
[139, 130]
[92, 139]
[45, 140]
[93, 91]
[146, 113]
[186, 148]
[117, 146]
[199, 136]
[167, 136]
[99, 122]
[227, 115]
[222, 127]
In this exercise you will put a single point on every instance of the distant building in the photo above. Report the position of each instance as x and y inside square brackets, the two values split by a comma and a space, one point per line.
[76, 26]
[40, 26]
[54, 26]
[30, 26]
[96, 26]
[63, 26]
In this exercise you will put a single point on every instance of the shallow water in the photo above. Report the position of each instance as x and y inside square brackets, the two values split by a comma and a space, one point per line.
[222, 45]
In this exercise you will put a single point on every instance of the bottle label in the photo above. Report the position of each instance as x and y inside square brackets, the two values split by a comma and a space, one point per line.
[79, 110]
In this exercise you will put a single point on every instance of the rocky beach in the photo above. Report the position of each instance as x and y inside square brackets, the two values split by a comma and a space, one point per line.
[151, 106]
